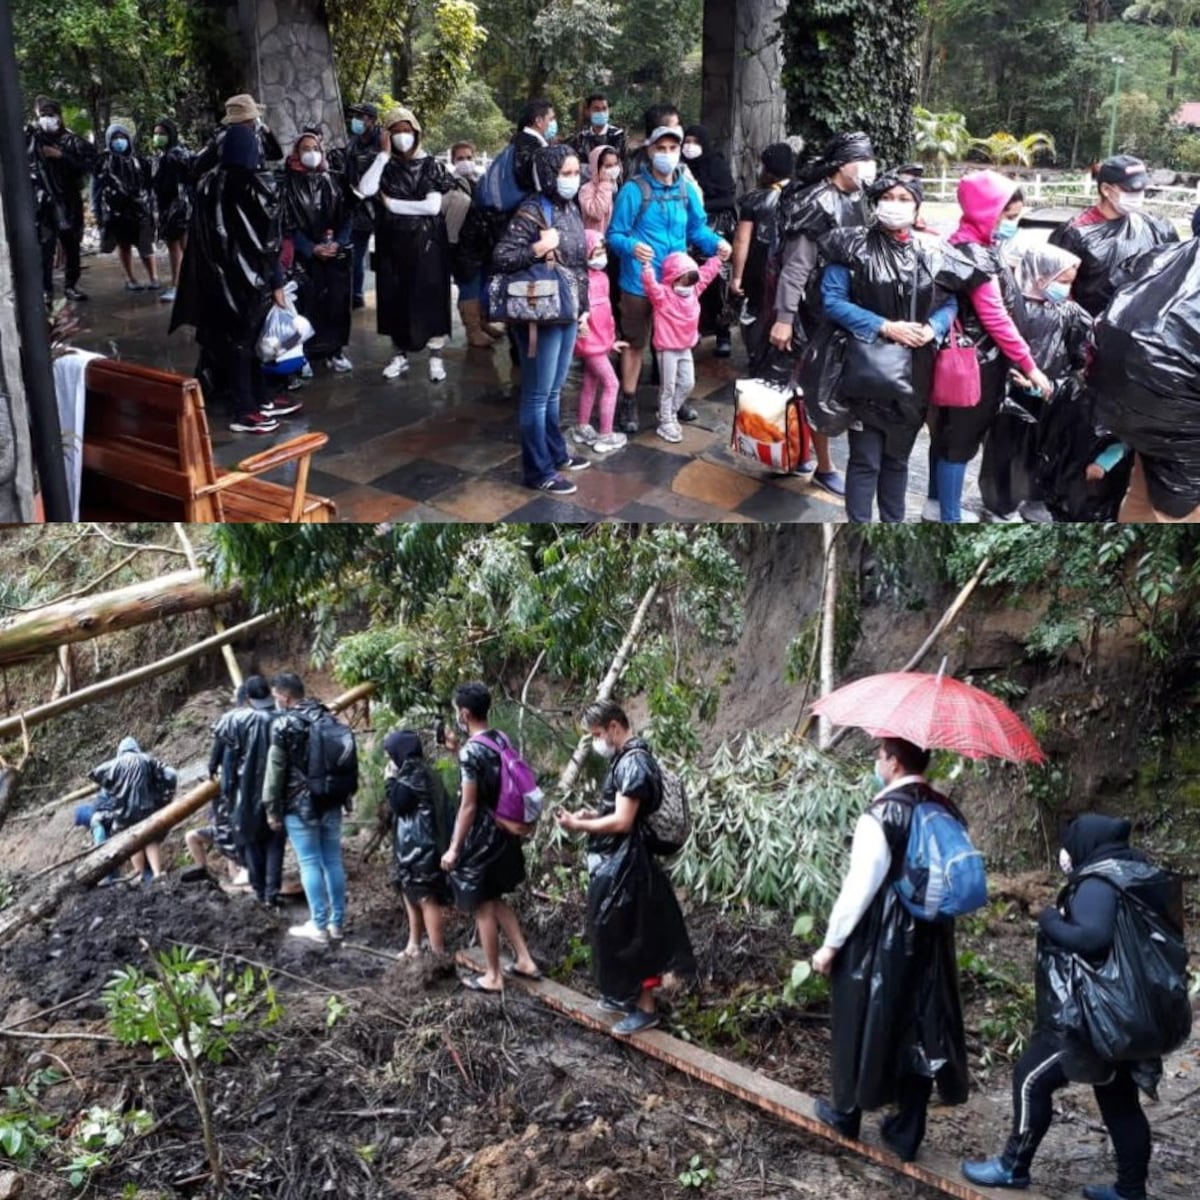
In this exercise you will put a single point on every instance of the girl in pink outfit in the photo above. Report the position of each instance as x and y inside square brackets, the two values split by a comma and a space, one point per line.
[599, 377]
[675, 303]
[597, 195]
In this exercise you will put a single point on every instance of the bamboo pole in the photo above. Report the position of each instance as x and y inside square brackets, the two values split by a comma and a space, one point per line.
[828, 626]
[231, 662]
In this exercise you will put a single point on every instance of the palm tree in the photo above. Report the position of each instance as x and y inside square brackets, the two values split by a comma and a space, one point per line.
[1004, 149]
[941, 137]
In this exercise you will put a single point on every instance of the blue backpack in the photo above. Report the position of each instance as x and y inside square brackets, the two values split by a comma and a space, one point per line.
[498, 190]
[943, 875]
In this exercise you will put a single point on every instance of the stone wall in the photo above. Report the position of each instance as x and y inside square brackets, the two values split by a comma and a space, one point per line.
[291, 64]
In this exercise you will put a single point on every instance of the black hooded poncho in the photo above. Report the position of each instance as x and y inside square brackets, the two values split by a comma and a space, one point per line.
[424, 821]
[122, 192]
[173, 192]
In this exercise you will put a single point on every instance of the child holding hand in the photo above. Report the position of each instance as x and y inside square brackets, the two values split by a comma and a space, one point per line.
[594, 347]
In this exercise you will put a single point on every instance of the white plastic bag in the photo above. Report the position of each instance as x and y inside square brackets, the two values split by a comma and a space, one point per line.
[281, 340]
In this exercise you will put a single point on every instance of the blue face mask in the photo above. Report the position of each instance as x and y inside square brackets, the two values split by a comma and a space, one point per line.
[568, 186]
[1006, 230]
[1057, 293]
[551, 131]
[120, 145]
[357, 126]
[600, 119]
[880, 782]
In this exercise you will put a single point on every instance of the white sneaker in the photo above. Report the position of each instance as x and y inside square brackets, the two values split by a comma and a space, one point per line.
[396, 367]
[341, 364]
[437, 369]
[606, 443]
[670, 432]
[310, 933]
[241, 878]
[931, 510]
[584, 435]
[1036, 512]
[967, 516]
[306, 371]
[992, 518]
[336, 933]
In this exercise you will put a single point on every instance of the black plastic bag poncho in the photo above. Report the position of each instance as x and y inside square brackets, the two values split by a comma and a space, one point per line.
[231, 258]
[1108, 251]
[122, 191]
[173, 186]
[424, 822]
[313, 203]
[245, 736]
[1146, 373]
[894, 989]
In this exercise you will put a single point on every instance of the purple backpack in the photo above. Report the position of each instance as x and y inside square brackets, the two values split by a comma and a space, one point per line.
[520, 803]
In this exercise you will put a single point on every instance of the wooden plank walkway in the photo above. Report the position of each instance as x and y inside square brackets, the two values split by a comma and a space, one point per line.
[935, 1169]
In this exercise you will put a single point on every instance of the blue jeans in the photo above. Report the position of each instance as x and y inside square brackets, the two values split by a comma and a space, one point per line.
[362, 239]
[874, 473]
[542, 379]
[319, 853]
[470, 288]
[951, 478]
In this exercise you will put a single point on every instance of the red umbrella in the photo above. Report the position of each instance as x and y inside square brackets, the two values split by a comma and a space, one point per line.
[936, 712]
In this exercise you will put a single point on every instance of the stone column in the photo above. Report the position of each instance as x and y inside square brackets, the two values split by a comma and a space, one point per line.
[291, 66]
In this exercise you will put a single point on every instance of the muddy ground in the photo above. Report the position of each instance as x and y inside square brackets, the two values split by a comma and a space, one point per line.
[424, 1091]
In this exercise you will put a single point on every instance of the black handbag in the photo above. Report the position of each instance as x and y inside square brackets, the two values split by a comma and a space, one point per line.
[881, 370]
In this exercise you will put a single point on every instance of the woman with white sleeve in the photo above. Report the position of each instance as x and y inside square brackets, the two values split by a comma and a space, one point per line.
[412, 250]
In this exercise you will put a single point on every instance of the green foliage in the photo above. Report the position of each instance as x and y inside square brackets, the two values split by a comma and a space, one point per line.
[940, 137]
[1008, 1005]
[696, 1175]
[771, 821]
[1186, 154]
[1005, 149]
[471, 116]
[453, 39]
[99, 1133]
[851, 64]
[8, 890]
[335, 1009]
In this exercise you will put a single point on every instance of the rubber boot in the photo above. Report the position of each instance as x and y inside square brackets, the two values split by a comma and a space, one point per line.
[627, 414]
[472, 319]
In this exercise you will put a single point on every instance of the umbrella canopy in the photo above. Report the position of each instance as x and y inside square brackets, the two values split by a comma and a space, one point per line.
[936, 712]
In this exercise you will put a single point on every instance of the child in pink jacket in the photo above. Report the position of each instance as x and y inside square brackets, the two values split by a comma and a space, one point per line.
[675, 303]
[599, 377]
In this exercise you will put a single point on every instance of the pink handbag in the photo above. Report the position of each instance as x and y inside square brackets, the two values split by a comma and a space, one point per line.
[956, 382]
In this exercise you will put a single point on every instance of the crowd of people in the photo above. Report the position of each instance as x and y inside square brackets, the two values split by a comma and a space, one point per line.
[581, 247]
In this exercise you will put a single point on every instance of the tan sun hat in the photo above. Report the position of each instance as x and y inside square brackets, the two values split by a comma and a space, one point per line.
[241, 108]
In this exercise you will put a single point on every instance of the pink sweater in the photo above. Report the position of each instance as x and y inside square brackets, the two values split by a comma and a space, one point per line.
[677, 318]
[602, 325]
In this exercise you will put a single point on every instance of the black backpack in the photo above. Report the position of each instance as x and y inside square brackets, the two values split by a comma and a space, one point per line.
[332, 770]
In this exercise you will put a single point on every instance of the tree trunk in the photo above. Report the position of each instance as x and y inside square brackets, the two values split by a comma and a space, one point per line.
[231, 662]
[121, 683]
[101, 861]
[1173, 74]
[828, 625]
[45, 629]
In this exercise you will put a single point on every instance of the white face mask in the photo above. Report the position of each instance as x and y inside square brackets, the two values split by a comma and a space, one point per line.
[665, 162]
[49, 124]
[613, 173]
[895, 214]
[1129, 202]
[1064, 861]
[598, 262]
[403, 142]
[602, 748]
[866, 173]
[683, 289]
[465, 167]
[311, 159]
[692, 150]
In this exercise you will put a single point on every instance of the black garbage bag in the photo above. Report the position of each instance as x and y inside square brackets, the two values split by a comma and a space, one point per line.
[1008, 473]
[323, 296]
[635, 926]
[1146, 373]
[821, 367]
[490, 865]
[1070, 440]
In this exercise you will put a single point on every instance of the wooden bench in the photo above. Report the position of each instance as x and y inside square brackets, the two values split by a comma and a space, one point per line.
[147, 456]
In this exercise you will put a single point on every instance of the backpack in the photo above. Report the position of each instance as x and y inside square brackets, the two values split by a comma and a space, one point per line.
[332, 767]
[498, 190]
[943, 875]
[678, 195]
[670, 825]
[521, 800]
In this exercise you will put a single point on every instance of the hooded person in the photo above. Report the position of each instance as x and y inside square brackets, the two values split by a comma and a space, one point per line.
[599, 385]
[826, 194]
[412, 248]
[710, 169]
[1110, 236]
[879, 287]
[423, 818]
[231, 276]
[59, 163]
[987, 299]
[244, 111]
[599, 193]
[546, 223]
[1086, 922]
[123, 202]
[136, 785]
[173, 195]
[352, 164]
[316, 227]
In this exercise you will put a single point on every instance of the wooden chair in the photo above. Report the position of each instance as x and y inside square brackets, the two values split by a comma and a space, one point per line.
[147, 456]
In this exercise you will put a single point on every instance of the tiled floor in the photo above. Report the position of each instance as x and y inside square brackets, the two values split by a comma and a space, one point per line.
[413, 450]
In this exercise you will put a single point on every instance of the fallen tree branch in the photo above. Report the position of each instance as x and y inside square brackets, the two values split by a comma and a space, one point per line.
[57, 1037]
[231, 662]
[45, 1012]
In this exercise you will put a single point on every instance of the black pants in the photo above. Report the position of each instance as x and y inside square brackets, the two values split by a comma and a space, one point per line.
[233, 375]
[1038, 1075]
[905, 1128]
[70, 239]
[872, 472]
[264, 864]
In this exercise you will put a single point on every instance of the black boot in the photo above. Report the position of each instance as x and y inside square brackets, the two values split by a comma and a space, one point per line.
[687, 413]
[627, 415]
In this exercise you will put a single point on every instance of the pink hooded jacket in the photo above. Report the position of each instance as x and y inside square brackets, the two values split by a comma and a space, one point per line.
[602, 325]
[677, 318]
[597, 196]
[983, 196]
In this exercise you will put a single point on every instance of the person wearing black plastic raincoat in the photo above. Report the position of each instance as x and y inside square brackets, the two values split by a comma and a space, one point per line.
[878, 286]
[635, 925]
[412, 248]
[1145, 371]
[59, 162]
[484, 861]
[710, 170]
[353, 163]
[1100, 866]
[123, 202]
[1113, 233]
[421, 836]
[826, 194]
[897, 1016]
[315, 221]
[173, 195]
[241, 110]
[136, 785]
[231, 276]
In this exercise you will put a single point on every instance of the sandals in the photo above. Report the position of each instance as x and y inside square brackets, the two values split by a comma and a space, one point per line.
[533, 976]
[474, 983]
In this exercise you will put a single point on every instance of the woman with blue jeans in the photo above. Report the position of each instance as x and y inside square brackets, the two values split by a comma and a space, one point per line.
[318, 846]
[547, 223]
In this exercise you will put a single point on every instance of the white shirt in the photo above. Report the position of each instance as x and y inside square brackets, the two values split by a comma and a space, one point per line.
[870, 860]
[537, 135]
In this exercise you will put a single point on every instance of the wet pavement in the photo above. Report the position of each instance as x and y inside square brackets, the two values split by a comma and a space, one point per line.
[413, 450]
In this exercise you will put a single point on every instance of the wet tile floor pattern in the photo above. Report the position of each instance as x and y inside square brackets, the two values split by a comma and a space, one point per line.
[412, 450]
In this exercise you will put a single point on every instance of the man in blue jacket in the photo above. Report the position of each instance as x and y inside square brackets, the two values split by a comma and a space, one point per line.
[657, 213]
